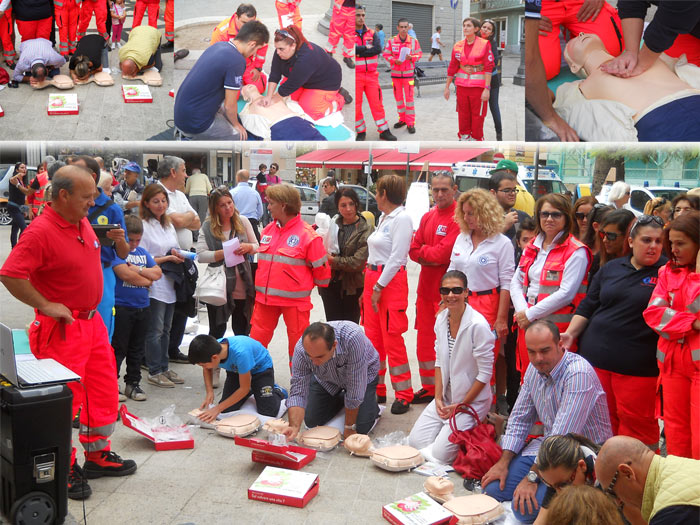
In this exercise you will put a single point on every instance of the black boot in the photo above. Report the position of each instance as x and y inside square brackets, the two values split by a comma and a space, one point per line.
[348, 62]
[387, 135]
[361, 136]
[346, 96]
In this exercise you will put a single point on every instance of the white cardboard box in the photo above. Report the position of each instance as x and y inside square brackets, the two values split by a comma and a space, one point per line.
[284, 487]
[419, 509]
[62, 104]
[136, 93]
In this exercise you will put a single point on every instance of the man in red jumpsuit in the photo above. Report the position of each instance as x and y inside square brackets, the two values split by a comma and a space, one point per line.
[55, 268]
[169, 17]
[66, 12]
[99, 7]
[34, 18]
[367, 51]
[6, 36]
[153, 7]
[288, 13]
[342, 26]
[431, 248]
[402, 73]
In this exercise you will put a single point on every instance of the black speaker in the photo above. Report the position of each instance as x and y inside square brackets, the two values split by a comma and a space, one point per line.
[35, 449]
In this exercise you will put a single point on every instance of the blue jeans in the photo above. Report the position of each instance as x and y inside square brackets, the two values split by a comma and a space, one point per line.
[18, 223]
[106, 306]
[321, 406]
[517, 470]
[158, 336]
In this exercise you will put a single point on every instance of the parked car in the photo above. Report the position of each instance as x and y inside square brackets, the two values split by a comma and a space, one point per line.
[640, 195]
[6, 172]
[309, 203]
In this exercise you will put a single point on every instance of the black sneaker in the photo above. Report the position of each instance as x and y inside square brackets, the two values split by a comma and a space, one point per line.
[361, 136]
[107, 463]
[180, 54]
[400, 406]
[348, 62]
[411, 129]
[78, 487]
[170, 44]
[179, 358]
[387, 135]
[399, 124]
[422, 397]
[347, 97]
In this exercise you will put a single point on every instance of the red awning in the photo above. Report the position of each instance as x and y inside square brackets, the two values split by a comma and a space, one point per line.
[393, 160]
[355, 158]
[316, 159]
[442, 159]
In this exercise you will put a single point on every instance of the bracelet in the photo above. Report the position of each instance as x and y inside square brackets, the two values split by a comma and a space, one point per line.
[351, 427]
[488, 87]
[377, 288]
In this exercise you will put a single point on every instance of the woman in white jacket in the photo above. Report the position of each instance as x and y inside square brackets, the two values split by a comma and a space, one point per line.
[463, 367]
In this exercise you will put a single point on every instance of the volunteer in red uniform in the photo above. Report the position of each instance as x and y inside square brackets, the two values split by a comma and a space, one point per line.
[228, 29]
[552, 277]
[385, 298]
[674, 312]
[66, 12]
[55, 268]
[470, 67]
[431, 248]
[288, 13]
[37, 199]
[87, 8]
[367, 51]
[169, 17]
[312, 78]
[153, 7]
[6, 37]
[487, 258]
[291, 261]
[342, 27]
[402, 73]
[33, 18]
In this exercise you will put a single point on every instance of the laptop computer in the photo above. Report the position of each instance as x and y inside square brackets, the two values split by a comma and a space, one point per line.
[25, 370]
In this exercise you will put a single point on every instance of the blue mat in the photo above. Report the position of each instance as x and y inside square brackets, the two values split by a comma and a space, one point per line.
[565, 75]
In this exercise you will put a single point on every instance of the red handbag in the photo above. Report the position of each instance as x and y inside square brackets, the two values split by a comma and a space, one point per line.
[478, 450]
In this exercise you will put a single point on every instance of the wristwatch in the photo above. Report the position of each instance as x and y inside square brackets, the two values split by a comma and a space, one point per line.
[351, 427]
[532, 476]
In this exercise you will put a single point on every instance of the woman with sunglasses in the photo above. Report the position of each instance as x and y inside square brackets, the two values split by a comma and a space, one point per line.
[612, 235]
[594, 219]
[659, 207]
[582, 207]
[18, 189]
[464, 362]
[611, 313]
[674, 313]
[312, 77]
[552, 276]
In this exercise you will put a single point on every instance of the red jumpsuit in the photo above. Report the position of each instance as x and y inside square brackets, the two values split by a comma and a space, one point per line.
[37, 199]
[288, 13]
[367, 80]
[169, 17]
[153, 7]
[6, 37]
[402, 75]
[62, 261]
[87, 8]
[342, 25]
[688, 45]
[469, 65]
[562, 13]
[227, 30]
[672, 310]
[291, 261]
[67, 22]
[432, 243]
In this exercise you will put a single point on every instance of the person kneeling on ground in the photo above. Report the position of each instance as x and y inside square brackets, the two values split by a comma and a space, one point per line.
[334, 366]
[87, 59]
[141, 52]
[249, 371]
[463, 368]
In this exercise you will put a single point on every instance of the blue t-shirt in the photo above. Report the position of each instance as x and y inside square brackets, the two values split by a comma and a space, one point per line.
[200, 95]
[245, 355]
[112, 215]
[126, 294]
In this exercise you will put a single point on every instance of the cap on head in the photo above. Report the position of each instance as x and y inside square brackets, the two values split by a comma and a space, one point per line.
[505, 164]
[132, 166]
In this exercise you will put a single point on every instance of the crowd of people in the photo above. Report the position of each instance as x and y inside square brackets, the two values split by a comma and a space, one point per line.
[578, 324]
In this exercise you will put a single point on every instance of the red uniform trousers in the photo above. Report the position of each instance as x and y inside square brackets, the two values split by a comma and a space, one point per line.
[688, 45]
[87, 8]
[169, 20]
[368, 84]
[471, 112]
[487, 305]
[632, 404]
[265, 319]
[318, 103]
[426, 311]
[29, 29]
[342, 25]
[403, 93]
[6, 27]
[140, 9]
[67, 22]
[680, 381]
[385, 329]
[83, 346]
[289, 13]
[563, 13]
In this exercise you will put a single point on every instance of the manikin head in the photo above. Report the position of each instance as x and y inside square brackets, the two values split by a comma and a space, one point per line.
[439, 486]
[250, 93]
[359, 444]
[578, 50]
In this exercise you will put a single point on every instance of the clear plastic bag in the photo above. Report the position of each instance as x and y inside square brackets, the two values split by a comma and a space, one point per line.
[167, 426]
[398, 437]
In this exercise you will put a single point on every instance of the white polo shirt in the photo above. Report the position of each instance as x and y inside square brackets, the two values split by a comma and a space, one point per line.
[180, 204]
[389, 243]
[490, 266]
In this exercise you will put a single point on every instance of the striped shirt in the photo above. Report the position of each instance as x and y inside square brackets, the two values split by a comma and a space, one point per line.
[451, 347]
[353, 366]
[570, 399]
[36, 50]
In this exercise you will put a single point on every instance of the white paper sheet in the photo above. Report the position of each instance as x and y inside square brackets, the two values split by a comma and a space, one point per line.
[230, 258]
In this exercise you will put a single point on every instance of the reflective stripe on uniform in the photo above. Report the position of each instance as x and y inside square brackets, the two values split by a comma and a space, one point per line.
[427, 380]
[322, 282]
[283, 293]
[472, 76]
[398, 370]
[695, 354]
[658, 301]
[319, 262]
[666, 318]
[694, 307]
[401, 385]
[660, 355]
[291, 261]
[426, 365]
[560, 318]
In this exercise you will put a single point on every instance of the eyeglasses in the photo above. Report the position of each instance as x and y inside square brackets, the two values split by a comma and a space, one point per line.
[610, 236]
[457, 290]
[555, 215]
[510, 191]
[643, 220]
[627, 193]
[580, 215]
[562, 484]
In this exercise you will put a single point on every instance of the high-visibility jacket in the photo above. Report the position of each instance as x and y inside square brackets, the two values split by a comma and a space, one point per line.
[365, 64]
[291, 261]
[672, 310]
[38, 198]
[551, 276]
[478, 55]
[227, 30]
[392, 53]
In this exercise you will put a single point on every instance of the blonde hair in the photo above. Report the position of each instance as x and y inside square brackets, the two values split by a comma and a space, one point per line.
[583, 505]
[657, 203]
[488, 211]
[287, 195]
[214, 222]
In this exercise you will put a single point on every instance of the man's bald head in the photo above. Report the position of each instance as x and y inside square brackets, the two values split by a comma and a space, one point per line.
[622, 466]
[65, 179]
[242, 176]
[129, 67]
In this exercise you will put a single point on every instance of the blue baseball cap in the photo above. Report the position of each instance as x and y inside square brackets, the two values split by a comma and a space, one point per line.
[132, 166]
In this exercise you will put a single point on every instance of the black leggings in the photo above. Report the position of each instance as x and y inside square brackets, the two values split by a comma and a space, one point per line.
[18, 223]
[493, 104]
[239, 322]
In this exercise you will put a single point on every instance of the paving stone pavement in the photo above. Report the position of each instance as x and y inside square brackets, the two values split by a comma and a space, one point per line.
[103, 113]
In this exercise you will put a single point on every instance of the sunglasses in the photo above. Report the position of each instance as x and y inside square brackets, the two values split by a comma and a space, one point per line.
[580, 215]
[284, 33]
[457, 290]
[610, 236]
[643, 220]
[556, 215]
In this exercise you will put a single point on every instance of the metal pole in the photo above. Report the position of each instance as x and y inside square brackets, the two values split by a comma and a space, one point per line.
[536, 183]
[369, 177]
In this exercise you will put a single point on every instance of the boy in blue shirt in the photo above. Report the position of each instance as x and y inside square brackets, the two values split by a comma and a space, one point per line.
[134, 275]
[249, 371]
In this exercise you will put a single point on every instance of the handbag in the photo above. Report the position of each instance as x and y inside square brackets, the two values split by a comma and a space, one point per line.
[211, 287]
[478, 450]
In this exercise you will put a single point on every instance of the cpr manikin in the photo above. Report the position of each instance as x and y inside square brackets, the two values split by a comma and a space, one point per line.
[359, 445]
[395, 458]
[658, 101]
[439, 488]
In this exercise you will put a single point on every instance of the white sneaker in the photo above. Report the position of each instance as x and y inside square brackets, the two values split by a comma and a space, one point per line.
[113, 46]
